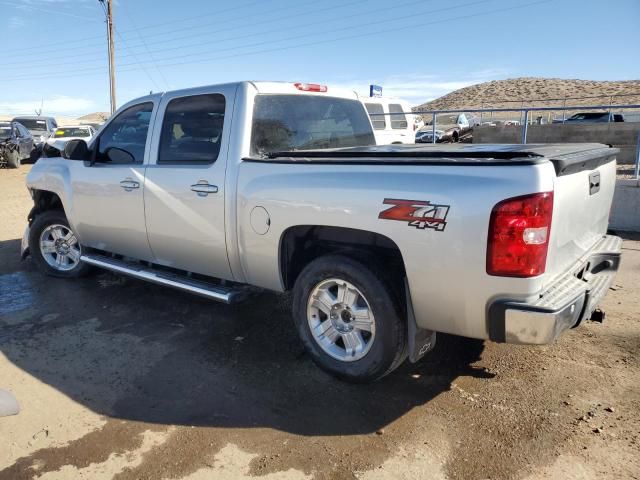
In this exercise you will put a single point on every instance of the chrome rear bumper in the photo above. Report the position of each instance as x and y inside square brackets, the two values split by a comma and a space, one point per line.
[571, 299]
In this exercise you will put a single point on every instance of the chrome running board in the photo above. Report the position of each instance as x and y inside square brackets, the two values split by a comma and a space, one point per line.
[181, 282]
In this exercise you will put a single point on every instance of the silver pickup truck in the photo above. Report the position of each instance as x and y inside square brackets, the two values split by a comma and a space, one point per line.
[221, 189]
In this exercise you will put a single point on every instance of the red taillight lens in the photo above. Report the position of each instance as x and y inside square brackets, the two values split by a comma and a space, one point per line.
[519, 232]
[310, 87]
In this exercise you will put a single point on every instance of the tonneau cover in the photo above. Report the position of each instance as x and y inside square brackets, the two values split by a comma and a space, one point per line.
[567, 158]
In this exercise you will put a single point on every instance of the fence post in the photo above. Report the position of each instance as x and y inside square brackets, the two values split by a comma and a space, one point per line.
[637, 172]
[564, 105]
[525, 126]
[433, 129]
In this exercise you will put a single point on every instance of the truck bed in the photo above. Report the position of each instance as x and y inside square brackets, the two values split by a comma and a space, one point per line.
[566, 158]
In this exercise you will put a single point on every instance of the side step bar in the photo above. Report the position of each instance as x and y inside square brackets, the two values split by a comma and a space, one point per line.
[168, 279]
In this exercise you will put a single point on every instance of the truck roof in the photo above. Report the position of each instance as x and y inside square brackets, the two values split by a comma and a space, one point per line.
[262, 87]
[566, 158]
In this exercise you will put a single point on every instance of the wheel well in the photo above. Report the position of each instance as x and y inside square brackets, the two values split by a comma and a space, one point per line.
[304, 243]
[44, 200]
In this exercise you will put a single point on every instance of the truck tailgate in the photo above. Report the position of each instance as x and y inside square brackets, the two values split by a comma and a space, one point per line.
[583, 193]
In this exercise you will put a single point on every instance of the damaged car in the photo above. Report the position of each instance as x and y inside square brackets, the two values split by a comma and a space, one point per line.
[16, 144]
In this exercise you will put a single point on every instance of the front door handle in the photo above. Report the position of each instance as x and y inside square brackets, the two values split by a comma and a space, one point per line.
[203, 188]
[129, 184]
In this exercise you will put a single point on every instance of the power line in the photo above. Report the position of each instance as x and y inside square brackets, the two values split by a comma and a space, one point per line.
[336, 39]
[18, 52]
[289, 38]
[22, 6]
[218, 40]
[164, 79]
[299, 13]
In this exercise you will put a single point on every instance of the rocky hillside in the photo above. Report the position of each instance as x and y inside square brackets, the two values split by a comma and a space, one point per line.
[533, 92]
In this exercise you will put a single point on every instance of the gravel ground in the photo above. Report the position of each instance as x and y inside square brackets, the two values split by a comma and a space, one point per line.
[121, 379]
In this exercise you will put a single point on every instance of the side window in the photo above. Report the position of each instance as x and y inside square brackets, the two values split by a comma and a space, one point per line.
[128, 132]
[23, 131]
[192, 129]
[398, 118]
[378, 121]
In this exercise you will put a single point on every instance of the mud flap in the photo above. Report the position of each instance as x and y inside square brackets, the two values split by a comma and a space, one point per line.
[420, 341]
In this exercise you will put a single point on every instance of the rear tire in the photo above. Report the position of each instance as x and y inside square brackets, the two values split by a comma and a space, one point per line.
[348, 319]
[54, 247]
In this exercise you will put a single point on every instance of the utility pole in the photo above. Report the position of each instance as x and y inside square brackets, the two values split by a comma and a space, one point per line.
[112, 64]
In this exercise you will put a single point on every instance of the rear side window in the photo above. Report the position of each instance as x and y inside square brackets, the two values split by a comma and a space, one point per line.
[398, 118]
[192, 129]
[128, 132]
[304, 122]
[377, 120]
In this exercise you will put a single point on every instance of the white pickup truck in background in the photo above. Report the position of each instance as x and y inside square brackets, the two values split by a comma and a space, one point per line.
[280, 186]
[392, 120]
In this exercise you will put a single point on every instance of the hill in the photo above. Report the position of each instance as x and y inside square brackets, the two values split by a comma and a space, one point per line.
[533, 91]
[97, 117]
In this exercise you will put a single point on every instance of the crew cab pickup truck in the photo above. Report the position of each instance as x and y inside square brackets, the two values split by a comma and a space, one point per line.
[221, 189]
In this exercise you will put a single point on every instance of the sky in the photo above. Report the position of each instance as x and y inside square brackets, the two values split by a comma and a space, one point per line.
[53, 52]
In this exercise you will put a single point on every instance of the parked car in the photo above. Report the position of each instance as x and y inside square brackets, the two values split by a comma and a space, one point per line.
[41, 128]
[449, 128]
[55, 144]
[592, 117]
[16, 144]
[280, 186]
[392, 120]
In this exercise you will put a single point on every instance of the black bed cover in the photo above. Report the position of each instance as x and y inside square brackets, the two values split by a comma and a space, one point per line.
[567, 158]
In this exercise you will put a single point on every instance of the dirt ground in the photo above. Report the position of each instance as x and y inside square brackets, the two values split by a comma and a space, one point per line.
[120, 379]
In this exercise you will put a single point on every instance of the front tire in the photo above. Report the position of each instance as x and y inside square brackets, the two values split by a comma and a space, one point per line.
[13, 159]
[54, 246]
[348, 320]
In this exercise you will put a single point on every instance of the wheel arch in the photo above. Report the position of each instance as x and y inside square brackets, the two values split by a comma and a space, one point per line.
[44, 200]
[301, 244]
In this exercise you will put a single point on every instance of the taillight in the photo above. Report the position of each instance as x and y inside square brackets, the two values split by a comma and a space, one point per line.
[519, 232]
[310, 87]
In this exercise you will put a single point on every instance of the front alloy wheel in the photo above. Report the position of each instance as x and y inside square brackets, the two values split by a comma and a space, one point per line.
[60, 248]
[54, 247]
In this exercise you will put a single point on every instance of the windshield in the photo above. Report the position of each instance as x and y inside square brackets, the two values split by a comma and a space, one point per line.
[304, 122]
[5, 132]
[445, 120]
[72, 132]
[588, 116]
[33, 124]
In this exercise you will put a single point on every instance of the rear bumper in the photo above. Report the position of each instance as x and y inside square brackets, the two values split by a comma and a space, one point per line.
[571, 299]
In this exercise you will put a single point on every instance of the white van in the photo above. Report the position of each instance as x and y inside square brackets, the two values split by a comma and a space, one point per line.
[396, 126]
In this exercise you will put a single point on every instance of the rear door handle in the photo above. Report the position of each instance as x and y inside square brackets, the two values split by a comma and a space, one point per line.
[204, 188]
[129, 185]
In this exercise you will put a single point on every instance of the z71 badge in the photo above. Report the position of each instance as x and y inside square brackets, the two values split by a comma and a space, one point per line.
[417, 213]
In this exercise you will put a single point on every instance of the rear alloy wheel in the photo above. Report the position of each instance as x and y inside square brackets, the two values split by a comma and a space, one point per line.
[348, 319]
[340, 320]
[55, 247]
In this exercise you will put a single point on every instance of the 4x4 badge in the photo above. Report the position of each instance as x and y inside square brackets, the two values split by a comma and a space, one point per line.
[418, 213]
